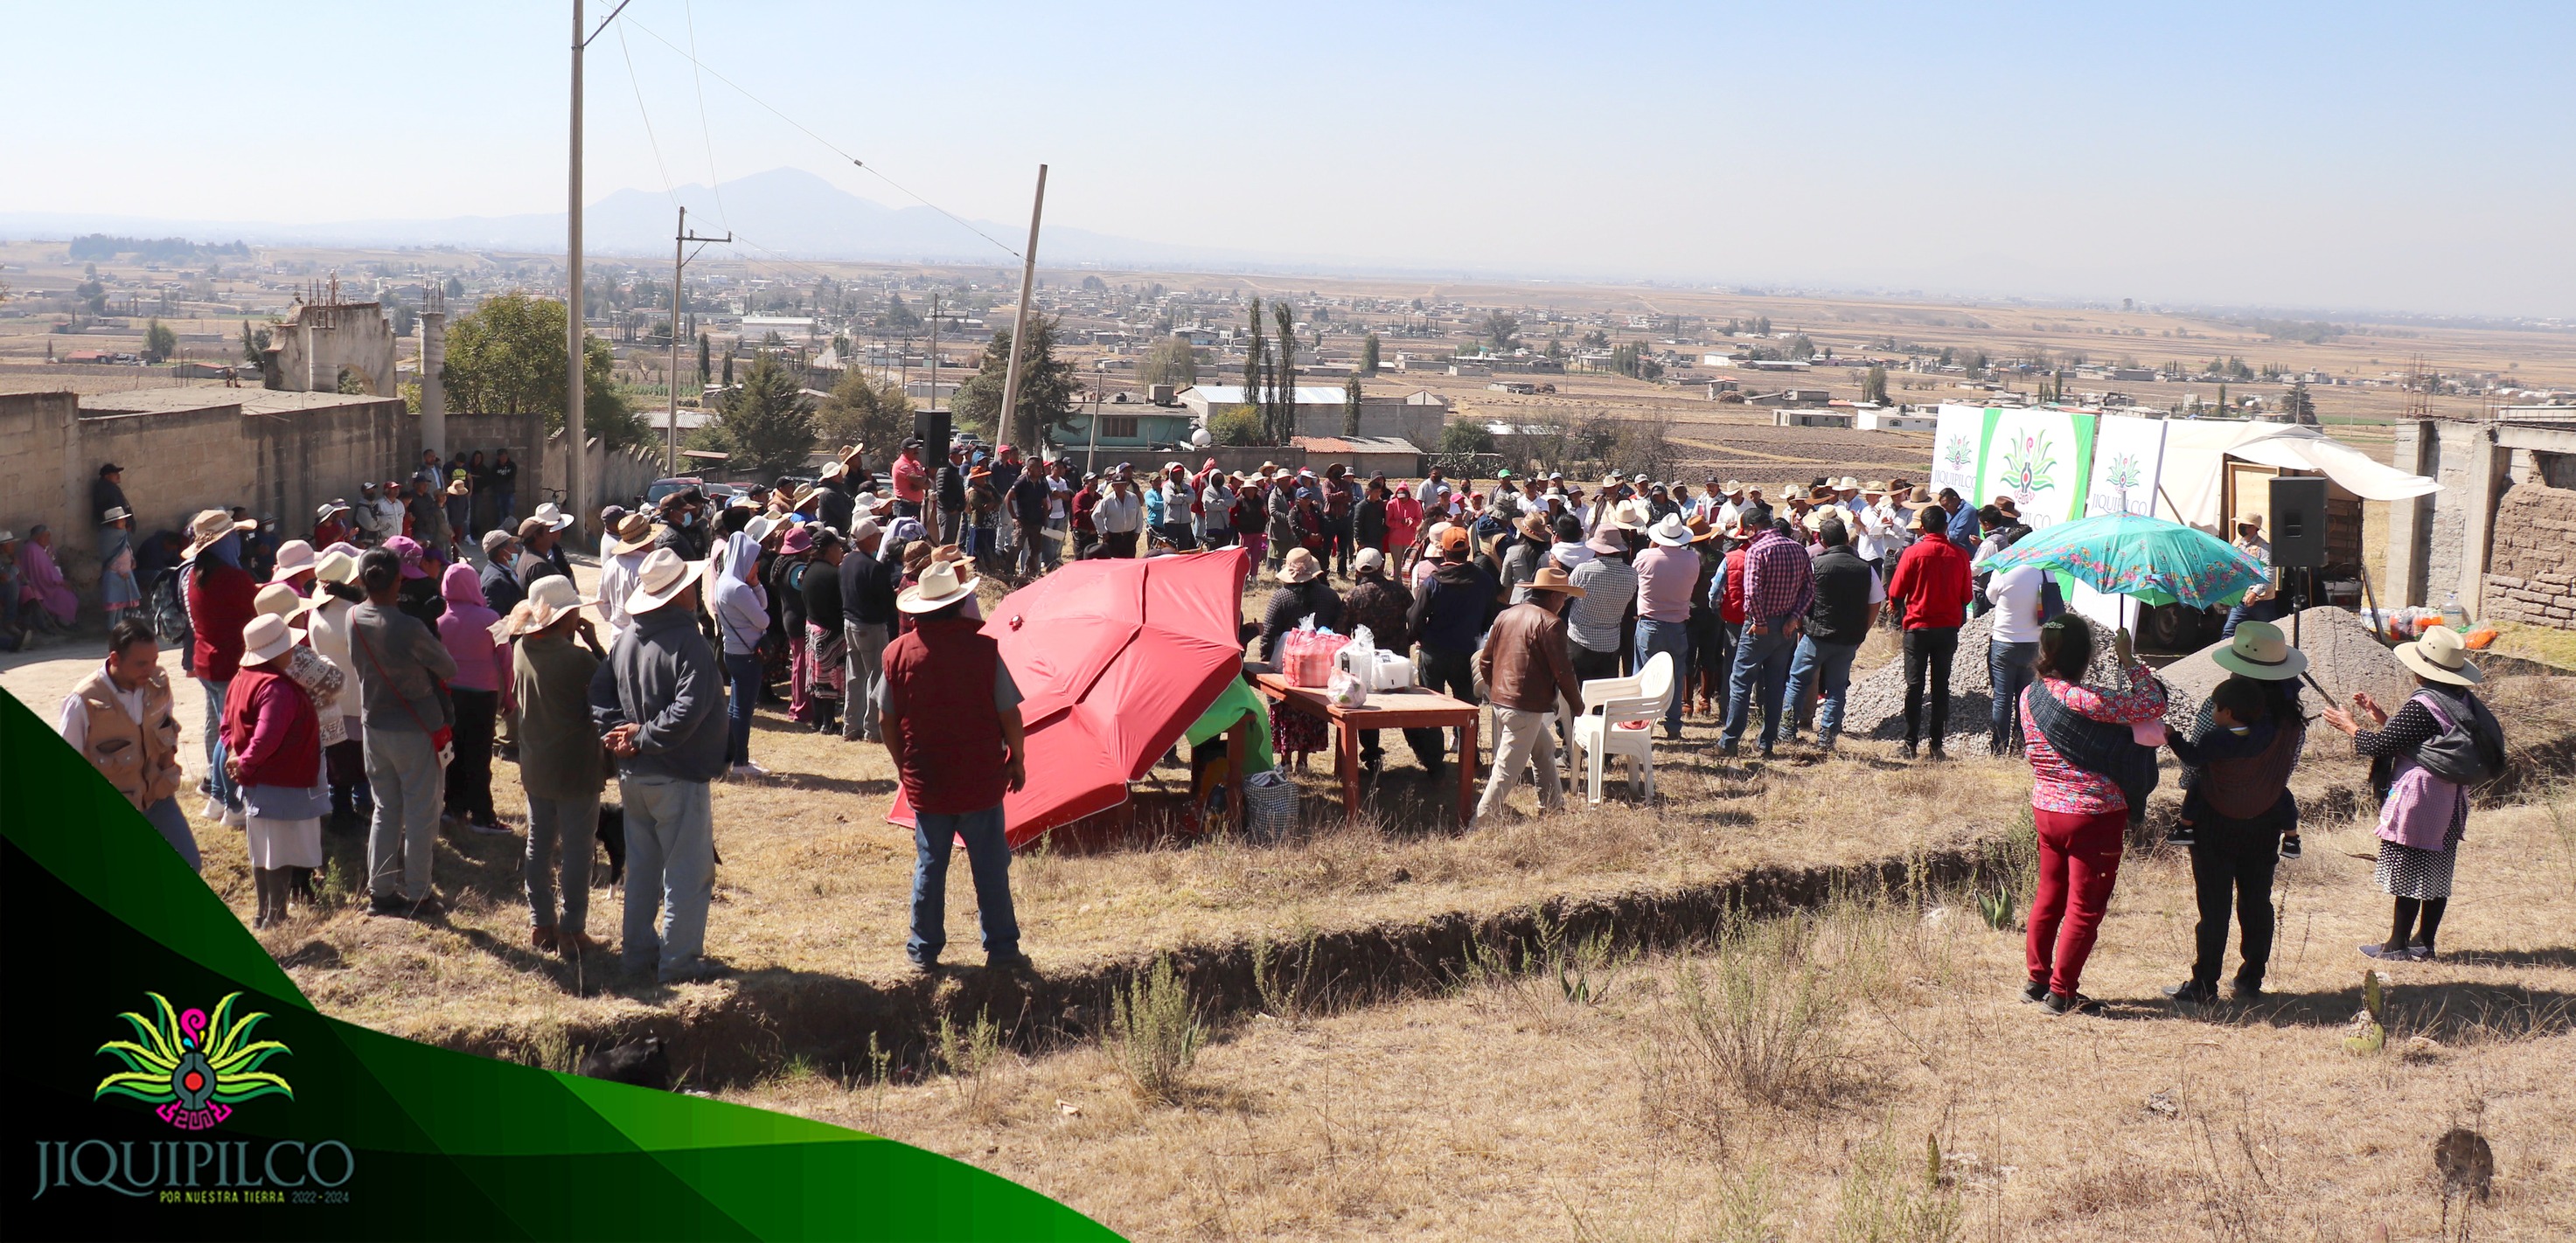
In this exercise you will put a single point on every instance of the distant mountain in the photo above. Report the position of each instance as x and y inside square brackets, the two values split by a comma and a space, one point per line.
[785, 211]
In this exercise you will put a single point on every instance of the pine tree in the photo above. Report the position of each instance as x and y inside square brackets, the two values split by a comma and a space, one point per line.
[728, 369]
[706, 370]
[1284, 395]
[1368, 355]
[1047, 388]
[1256, 367]
[767, 424]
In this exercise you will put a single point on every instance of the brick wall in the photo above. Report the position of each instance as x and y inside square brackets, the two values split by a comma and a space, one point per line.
[2530, 578]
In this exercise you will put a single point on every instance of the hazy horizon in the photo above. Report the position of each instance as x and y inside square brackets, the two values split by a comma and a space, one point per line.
[2308, 157]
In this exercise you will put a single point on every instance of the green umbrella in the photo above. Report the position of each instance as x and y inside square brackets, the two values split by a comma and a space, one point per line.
[2126, 554]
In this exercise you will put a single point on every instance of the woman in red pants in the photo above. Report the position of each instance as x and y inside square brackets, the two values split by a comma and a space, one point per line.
[2088, 775]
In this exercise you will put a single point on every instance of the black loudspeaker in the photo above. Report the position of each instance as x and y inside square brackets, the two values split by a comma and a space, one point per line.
[932, 429]
[2298, 523]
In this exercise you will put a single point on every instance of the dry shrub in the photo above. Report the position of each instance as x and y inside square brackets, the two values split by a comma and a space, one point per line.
[1895, 1193]
[2115, 1188]
[1154, 1032]
[969, 1054]
[1756, 1020]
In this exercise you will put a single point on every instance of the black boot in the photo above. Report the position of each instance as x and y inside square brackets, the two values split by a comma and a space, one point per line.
[266, 893]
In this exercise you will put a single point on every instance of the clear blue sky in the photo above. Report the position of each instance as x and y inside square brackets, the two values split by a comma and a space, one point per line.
[2414, 157]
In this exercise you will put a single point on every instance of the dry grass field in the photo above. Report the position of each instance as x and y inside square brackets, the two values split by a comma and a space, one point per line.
[1867, 1072]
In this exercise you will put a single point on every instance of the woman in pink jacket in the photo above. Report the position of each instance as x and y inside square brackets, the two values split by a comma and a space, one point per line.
[482, 679]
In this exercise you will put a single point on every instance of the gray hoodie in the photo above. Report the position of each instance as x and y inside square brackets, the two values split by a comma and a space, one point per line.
[403, 670]
[663, 677]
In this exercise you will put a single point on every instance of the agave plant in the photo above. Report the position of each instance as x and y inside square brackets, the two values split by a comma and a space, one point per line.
[190, 1065]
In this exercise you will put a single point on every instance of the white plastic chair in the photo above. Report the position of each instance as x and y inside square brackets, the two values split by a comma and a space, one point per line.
[1609, 702]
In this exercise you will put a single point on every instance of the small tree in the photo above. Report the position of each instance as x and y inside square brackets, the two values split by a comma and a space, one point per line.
[1171, 361]
[1235, 425]
[1369, 355]
[728, 369]
[1465, 436]
[767, 425]
[1873, 384]
[1501, 330]
[864, 411]
[1283, 404]
[1351, 407]
[1047, 387]
[706, 361]
[254, 342]
[1256, 357]
[507, 357]
[159, 343]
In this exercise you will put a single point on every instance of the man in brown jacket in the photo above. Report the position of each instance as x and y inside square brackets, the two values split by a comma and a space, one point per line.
[1525, 670]
[119, 719]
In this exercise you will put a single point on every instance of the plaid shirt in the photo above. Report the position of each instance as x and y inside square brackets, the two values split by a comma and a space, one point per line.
[1779, 579]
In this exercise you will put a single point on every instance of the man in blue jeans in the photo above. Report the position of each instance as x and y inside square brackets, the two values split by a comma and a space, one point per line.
[2012, 651]
[950, 717]
[1779, 584]
[1848, 593]
[656, 701]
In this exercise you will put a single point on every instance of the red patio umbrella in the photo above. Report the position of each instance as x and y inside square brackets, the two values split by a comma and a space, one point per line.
[1114, 659]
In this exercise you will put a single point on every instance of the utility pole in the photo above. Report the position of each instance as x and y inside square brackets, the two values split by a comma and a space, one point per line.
[1006, 423]
[576, 493]
[671, 425]
[930, 506]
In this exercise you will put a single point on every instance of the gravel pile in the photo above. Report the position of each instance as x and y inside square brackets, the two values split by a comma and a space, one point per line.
[1875, 705]
[2343, 657]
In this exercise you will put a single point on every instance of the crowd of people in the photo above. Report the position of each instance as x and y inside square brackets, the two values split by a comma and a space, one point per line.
[371, 675]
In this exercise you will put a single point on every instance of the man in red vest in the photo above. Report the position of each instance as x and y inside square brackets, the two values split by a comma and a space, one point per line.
[950, 716]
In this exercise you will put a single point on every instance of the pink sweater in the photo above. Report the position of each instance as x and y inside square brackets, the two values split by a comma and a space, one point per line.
[466, 629]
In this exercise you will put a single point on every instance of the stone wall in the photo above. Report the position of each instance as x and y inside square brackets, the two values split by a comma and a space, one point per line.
[2531, 578]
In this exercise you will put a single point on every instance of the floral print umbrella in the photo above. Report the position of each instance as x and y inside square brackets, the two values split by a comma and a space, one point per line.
[2156, 561]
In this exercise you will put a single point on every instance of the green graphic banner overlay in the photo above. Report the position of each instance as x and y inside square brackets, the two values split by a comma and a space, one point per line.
[375, 1137]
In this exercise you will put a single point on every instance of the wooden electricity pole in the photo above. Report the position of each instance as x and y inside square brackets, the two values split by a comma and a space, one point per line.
[1007, 423]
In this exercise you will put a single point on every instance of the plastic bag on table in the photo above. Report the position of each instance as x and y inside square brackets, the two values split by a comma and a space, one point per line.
[1306, 655]
[1346, 690]
[1358, 657]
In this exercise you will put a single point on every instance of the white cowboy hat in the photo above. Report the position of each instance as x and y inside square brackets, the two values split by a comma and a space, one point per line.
[115, 513]
[661, 579]
[265, 639]
[1671, 532]
[1848, 483]
[831, 470]
[1300, 565]
[939, 587]
[294, 557]
[548, 602]
[2439, 655]
[328, 508]
[2259, 651]
[210, 525]
[553, 515]
[759, 528]
[279, 600]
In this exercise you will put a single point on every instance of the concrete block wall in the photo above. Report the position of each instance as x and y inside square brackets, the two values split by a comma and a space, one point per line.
[2531, 578]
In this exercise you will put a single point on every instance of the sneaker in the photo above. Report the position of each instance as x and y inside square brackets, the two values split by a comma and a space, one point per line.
[2290, 846]
[748, 769]
[236, 818]
[2034, 990]
[2193, 991]
[2419, 952]
[2182, 834]
[2057, 1004]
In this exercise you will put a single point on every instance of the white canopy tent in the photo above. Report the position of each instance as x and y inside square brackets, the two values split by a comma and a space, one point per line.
[2193, 479]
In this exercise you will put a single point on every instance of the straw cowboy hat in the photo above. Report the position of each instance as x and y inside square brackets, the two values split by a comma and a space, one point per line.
[553, 516]
[294, 557]
[1535, 527]
[265, 639]
[661, 579]
[1672, 532]
[1550, 578]
[115, 514]
[1875, 487]
[1848, 483]
[1299, 566]
[2439, 656]
[279, 600]
[550, 600]
[2250, 520]
[210, 525]
[1701, 531]
[460, 488]
[940, 587]
[631, 532]
[2261, 652]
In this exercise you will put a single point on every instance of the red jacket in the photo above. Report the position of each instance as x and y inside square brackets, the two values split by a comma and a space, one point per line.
[219, 605]
[270, 727]
[1730, 606]
[939, 696]
[1932, 581]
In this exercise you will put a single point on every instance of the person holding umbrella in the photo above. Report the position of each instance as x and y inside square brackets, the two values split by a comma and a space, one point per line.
[2088, 777]
[2422, 779]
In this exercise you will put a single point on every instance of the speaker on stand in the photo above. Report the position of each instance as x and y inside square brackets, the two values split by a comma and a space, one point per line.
[2298, 521]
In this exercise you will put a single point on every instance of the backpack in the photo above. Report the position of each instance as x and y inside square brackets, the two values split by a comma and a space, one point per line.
[2467, 752]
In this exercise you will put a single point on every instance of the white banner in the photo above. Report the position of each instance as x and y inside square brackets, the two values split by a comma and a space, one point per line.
[1958, 447]
[2128, 465]
[2037, 457]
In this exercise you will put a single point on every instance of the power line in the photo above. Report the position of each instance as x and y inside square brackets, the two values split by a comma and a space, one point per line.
[828, 144]
[638, 84]
[715, 184]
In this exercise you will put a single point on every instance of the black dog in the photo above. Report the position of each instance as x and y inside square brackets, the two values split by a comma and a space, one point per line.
[612, 835]
[645, 1064]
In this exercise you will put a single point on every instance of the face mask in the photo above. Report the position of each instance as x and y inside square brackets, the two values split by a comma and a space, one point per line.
[688, 519]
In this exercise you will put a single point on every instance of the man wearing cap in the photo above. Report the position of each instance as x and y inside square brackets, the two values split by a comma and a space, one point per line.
[683, 530]
[403, 672]
[658, 703]
[1119, 516]
[1006, 470]
[1451, 610]
[950, 716]
[1526, 674]
[500, 582]
[120, 718]
[1779, 584]
[1666, 573]
[107, 491]
[1846, 602]
[952, 493]
[2262, 601]
[560, 766]
[1030, 501]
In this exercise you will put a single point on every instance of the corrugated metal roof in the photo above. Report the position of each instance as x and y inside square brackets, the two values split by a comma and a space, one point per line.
[1232, 394]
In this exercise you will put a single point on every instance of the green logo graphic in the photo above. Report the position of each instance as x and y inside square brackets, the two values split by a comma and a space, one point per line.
[195, 1069]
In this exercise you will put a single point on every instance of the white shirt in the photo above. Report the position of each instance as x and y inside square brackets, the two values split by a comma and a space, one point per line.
[2015, 593]
[1057, 492]
[1881, 533]
[327, 630]
[75, 724]
[616, 580]
[1427, 489]
[1727, 514]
